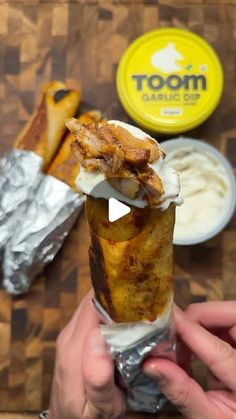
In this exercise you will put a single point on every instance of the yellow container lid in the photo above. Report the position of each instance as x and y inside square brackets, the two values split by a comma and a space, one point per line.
[169, 80]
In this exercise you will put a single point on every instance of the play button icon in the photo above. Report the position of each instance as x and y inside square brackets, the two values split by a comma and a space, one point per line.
[116, 210]
[111, 218]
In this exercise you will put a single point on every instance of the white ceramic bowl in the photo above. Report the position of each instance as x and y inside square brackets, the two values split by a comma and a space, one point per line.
[178, 143]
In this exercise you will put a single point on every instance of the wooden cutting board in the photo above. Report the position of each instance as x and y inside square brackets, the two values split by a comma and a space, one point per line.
[83, 41]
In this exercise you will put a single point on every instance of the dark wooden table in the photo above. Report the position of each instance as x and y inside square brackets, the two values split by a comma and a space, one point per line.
[83, 41]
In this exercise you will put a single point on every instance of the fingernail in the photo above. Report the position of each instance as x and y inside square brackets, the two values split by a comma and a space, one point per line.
[153, 372]
[178, 309]
[178, 312]
[96, 343]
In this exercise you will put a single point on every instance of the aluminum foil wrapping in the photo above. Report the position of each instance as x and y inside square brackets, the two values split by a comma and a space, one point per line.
[41, 233]
[129, 345]
[19, 178]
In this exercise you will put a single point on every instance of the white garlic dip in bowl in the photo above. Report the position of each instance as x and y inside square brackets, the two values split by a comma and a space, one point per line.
[208, 186]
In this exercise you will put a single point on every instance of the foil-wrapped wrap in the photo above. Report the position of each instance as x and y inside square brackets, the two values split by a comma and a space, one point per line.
[41, 233]
[129, 344]
[20, 175]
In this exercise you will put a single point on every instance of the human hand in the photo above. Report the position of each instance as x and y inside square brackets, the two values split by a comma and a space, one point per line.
[219, 355]
[83, 383]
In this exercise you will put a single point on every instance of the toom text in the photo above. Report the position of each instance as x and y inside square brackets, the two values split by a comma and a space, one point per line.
[173, 82]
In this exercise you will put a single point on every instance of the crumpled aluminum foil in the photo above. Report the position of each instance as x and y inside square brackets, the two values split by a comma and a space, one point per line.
[129, 344]
[41, 233]
[20, 175]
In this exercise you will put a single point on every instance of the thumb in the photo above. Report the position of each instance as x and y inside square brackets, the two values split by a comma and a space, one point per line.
[180, 389]
[98, 374]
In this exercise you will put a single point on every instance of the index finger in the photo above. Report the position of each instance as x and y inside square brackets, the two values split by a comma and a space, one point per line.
[218, 355]
[213, 314]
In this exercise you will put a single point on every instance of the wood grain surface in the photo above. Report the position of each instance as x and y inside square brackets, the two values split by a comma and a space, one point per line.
[82, 41]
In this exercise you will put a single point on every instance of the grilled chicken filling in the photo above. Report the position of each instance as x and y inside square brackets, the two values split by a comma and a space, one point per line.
[118, 154]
